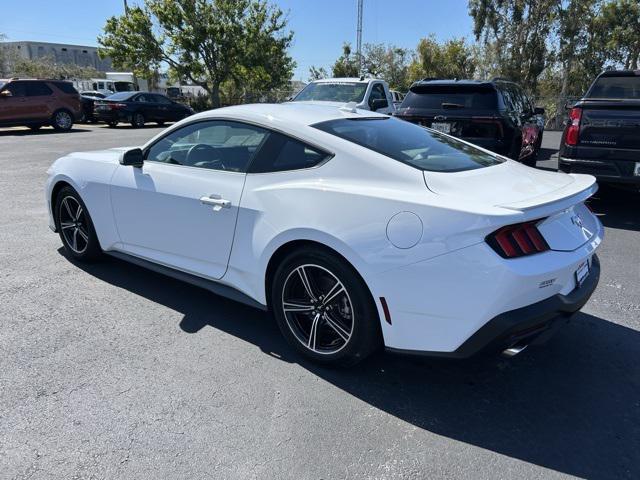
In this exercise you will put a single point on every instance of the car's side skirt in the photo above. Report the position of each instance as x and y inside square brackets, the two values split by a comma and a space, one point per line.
[215, 287]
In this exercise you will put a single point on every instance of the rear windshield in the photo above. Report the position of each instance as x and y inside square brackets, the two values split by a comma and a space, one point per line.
[438, 97]
[333, 92]
[616, 87]
[120, 96]
[410, 143]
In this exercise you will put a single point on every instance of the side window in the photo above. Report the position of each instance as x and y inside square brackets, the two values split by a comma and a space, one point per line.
[215, 145]
[281, 153]
[161, 99]
[143, 99]
[66, 87]
[38, 89]
[377, 92]
[17, 89]
[507, 96]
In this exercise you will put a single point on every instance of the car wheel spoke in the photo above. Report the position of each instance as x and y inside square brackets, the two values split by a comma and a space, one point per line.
[78, 213]
[337, 328]
[297, 307]
[305, 282]
[65, 202]
[66, 225]
[84, 236]
[313, 333]
[336, 290]
[75, 240]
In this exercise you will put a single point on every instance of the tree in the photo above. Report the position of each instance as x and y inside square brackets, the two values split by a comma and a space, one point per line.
[206, 42]
[388, 62]
[619, 23]
[451, 59]
[316, 73]
[519, 29]
[46, 67]
[348, 64]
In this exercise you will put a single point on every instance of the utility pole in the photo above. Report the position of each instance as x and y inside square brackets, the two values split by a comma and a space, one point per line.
[359, 37]
[126, 7]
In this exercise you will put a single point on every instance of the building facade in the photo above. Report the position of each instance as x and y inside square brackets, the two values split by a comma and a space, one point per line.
[80, 55]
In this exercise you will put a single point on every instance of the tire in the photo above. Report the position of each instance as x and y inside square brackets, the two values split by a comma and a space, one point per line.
[62, 120]
[112, 124]
[75, 227]
[347, 328]
[137, 121]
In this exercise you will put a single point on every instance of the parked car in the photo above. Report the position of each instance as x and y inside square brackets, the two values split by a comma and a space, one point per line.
[602, 136]
[88, 99]
[397, 98]
[36, 103]
[365, 93]
[496, 114]
[138, 108]
[355, 228]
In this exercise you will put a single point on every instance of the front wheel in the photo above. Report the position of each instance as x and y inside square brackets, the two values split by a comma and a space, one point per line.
[75, 226]
[62, 121]
[324, 309]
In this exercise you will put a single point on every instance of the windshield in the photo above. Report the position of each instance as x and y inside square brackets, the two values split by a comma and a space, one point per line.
[2, 84]
[409, 143]
[437, 97]
[333, 92]
[616, 87]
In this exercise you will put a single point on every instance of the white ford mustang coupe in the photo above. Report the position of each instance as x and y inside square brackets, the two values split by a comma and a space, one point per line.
[354, 228]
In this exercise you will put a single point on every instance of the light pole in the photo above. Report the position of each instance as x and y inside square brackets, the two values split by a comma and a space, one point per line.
[359, 37]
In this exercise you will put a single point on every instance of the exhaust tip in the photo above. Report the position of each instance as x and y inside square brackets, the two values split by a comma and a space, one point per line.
[514, 350]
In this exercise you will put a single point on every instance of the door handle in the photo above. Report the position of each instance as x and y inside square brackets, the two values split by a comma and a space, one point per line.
[216, 201]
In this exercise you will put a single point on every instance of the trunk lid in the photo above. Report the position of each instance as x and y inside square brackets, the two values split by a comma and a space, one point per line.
[558, 198]
[610, 124]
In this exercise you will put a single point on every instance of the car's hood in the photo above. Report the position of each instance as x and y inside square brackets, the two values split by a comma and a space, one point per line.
[511, 185]
[107, 155]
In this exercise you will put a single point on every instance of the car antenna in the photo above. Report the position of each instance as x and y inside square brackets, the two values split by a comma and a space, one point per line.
[351, 107]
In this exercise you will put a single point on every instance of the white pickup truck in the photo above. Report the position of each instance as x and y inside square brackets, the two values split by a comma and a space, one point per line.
[367, 93]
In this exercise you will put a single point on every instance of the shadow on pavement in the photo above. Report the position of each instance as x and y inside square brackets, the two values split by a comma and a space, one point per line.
[43, 131]
[572, 405]
[617, 208]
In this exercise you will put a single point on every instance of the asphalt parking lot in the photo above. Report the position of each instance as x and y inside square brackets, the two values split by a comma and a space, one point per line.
[111, 371]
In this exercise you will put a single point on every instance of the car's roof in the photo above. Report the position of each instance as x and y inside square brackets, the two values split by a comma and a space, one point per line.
[300, 113]
[346, 79]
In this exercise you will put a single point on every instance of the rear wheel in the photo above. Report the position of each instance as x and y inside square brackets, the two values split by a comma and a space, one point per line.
[137, 121]
[113, 123]
[75, 226]
[62, 120]
[324, 309]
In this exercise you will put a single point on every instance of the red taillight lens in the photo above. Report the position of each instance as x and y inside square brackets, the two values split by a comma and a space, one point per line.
[573, 129]
[518, 240]
[116, 106]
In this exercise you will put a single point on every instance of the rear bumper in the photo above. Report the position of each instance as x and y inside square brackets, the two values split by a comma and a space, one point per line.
[112, 116]
[606, 171]
[525, 325]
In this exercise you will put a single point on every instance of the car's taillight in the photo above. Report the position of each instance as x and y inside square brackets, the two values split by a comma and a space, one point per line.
[116, 106]
[518, 240]
[573, 128]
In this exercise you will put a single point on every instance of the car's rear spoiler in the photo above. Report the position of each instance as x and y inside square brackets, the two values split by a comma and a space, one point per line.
[579, 190]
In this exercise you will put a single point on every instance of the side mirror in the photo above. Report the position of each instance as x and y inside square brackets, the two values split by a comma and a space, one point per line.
[538, 111]
[6, 94]
[132, 158]
[379, 103]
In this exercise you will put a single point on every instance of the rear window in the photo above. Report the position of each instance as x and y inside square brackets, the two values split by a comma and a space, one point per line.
[410, 144]
[333, 92]
[616, 87]
[121, 96]
[66, 87]
[438, 97]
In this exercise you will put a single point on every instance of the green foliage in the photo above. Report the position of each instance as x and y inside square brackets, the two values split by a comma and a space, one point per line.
[388, 62]
[519, 30]
[619, 24]
[348, 64]
[316, 73]
[451, 59]
[207, 42]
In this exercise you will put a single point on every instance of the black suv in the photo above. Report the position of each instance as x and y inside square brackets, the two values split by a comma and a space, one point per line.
[496, 115]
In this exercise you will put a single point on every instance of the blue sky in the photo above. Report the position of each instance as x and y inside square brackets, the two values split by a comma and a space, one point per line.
[320, 26]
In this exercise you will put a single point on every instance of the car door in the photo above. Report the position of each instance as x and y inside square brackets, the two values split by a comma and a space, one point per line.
[39, 101]
[14, 107]
[166, 110]
[146, 105]
[180, 208]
